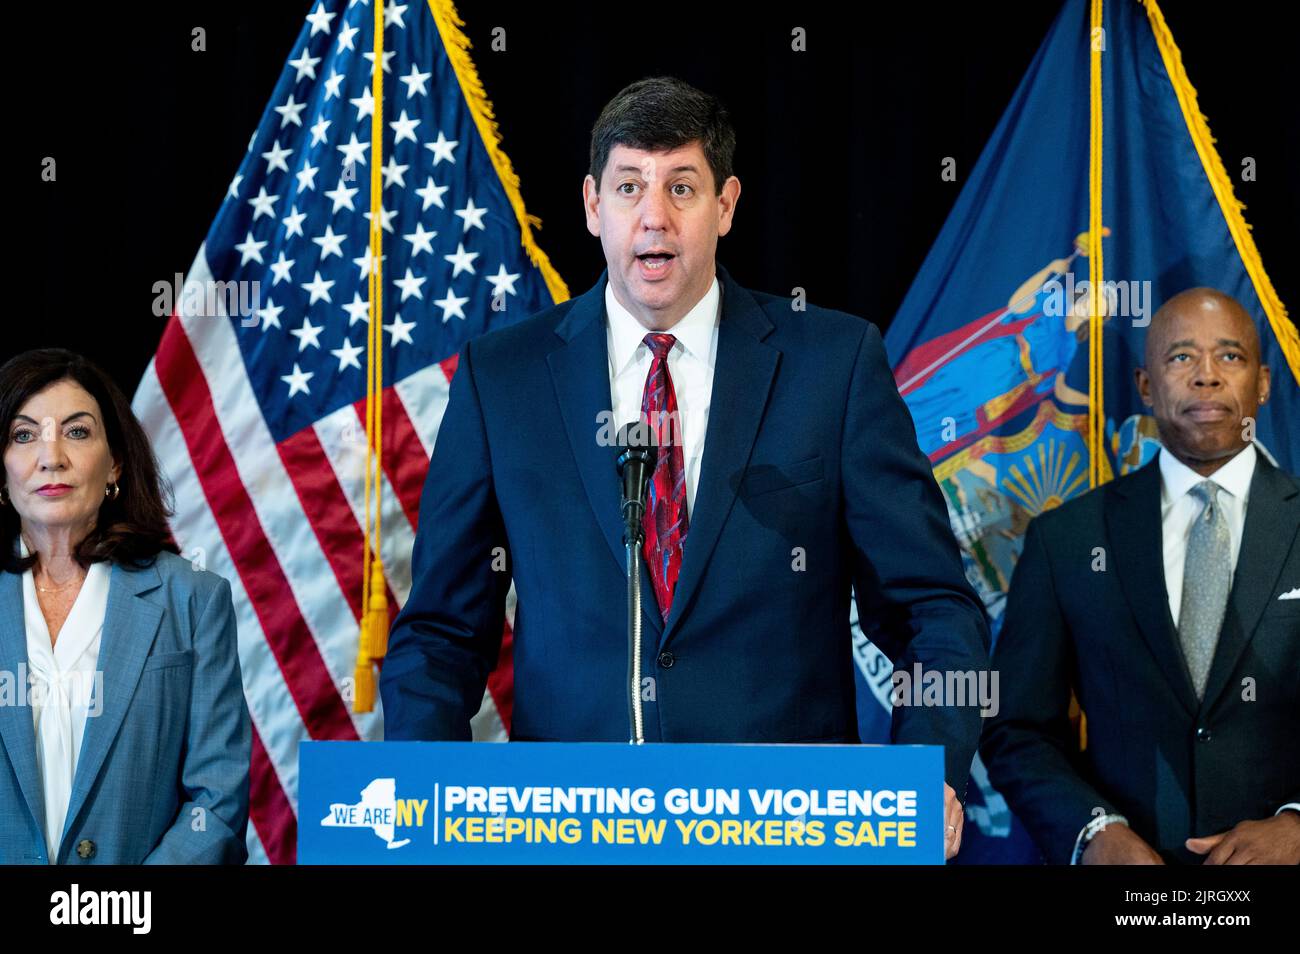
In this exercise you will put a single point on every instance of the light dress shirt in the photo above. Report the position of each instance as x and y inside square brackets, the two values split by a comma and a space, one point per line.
[690, 364]
[64, 689]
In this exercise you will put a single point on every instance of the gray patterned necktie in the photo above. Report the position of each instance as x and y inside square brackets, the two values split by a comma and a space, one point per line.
[1206, 577]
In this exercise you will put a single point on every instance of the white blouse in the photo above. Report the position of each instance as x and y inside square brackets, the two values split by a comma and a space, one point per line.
[64, 689]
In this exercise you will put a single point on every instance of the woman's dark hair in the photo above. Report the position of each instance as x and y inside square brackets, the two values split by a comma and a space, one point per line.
[131, 529]
[661, 113]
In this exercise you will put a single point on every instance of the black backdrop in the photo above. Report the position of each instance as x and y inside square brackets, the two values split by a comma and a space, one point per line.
[839, 147]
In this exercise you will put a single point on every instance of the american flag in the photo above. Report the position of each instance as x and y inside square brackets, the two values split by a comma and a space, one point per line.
[258, 419]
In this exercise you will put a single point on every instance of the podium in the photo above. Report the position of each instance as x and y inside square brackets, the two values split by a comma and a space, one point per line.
[401, 803]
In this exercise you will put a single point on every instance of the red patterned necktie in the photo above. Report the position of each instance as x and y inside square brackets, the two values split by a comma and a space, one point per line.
[665, 522]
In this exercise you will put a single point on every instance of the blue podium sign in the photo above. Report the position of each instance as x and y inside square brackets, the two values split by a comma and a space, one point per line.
[610, 803]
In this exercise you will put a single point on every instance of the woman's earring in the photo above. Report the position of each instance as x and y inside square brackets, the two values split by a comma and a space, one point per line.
[112, 490]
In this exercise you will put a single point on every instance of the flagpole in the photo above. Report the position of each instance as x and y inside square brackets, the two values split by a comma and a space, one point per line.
[1096, 395]
[373, 637]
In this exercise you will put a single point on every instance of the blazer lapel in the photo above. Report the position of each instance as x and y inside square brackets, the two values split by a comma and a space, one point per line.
[1272, 519]
[17, 731]
[1133, 528]
[742, 378]
[580, 373]
[130, 624]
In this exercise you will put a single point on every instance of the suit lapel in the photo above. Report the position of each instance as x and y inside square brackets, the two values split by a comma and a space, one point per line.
[1133, 528]
[17, 731]
[742, 378]
[743, 372]
[130, 624]
[580, 373]
[1272, 519]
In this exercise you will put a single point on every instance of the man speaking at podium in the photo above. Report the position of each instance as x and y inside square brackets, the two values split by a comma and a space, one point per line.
[793, 472]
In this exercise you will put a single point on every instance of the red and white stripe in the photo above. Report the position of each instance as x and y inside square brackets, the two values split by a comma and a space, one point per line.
[283, 523]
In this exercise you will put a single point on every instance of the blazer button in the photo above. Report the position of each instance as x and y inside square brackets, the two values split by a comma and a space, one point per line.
[666, 659]
[1203, 734]
[85, 848]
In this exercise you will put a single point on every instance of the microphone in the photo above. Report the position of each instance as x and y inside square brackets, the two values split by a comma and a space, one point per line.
[635, 466]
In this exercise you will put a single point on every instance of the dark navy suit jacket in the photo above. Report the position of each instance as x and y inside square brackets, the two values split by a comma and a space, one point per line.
[1176, 767]
[811, 481]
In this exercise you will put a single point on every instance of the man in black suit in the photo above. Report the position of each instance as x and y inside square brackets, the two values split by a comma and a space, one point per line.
[1169, 602]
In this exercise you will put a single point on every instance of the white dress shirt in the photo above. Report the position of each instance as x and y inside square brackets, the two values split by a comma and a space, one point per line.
[690, 364]
[64, 689]
[1178, 511]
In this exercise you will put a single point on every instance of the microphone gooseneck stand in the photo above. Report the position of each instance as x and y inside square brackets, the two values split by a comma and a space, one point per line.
[634, 467]
[634, 634]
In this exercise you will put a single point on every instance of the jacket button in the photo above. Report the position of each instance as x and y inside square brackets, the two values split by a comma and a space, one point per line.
[85, 848]
[1203, 734]
[666, 659]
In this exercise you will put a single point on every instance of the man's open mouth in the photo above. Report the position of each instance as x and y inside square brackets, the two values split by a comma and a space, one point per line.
[655, 259]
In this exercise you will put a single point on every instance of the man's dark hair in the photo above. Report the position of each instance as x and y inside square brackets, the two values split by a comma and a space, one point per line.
[131, 528]
[661, 113]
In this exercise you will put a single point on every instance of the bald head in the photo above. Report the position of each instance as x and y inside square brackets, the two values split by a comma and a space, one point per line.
[1196, 306]
[1204, 380]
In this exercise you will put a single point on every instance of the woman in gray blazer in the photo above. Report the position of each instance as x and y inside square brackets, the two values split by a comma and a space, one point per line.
[124, 735]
